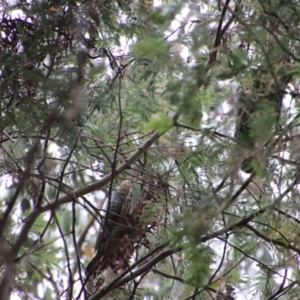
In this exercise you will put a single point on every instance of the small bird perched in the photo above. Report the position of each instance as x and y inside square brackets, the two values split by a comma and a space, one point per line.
[258, 104]
[107, 244]
[118, 239]
[110, 229]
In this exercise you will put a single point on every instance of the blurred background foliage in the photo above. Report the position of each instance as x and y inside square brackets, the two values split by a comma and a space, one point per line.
[83, 86]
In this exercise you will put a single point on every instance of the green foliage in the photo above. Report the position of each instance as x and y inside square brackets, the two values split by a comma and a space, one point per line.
[151, 48]
[198, 265]
[84, 84]
[162, 124]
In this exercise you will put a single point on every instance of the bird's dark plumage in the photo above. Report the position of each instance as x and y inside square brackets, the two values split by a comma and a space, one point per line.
[118, 238]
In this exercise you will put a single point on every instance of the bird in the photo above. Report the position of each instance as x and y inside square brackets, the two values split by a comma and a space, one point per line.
[111, 228]
[116, 242]
[258, 102]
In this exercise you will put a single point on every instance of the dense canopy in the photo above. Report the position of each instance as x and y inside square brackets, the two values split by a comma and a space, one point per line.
[149, 149]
